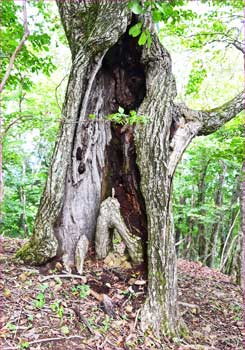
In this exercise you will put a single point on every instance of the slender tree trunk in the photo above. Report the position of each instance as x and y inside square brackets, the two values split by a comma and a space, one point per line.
[236, 269]
[232, 212]
[93, 159]
[200, 203]
[22, 194]
[212, 249]
[1, 168]
[189, 251]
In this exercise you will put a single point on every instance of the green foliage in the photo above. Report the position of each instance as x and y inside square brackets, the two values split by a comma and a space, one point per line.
[196, 77]
[12, 327]
[122, 118]
[40, 298]
[34, 56]
[135, 7]
[40, 301]
[127, 119]
[227, 146]
[211, 24]
[135, 30]
[169, 11]
[24, 345]
[82, 290]
[29, 110]
[57, 308]
[106, 324]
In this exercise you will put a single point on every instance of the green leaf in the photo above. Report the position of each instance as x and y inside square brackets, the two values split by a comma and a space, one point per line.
[24, 345]
[142, 39]
[135, 30]
[121, 110]
[156, 16]
[135, 7]
[132, 113]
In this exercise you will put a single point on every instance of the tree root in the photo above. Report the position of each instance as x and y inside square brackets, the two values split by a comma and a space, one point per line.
[37, 252]
[110, 219]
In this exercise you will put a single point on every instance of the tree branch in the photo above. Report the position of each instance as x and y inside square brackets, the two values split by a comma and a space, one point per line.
[15, 121]
[18, 48]
[191, 123]
[222, 37]
[212, 120]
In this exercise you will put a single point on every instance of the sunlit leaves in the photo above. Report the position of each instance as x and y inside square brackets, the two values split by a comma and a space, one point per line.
[135, 7]
[144, 35]
[196, 77]
[28, 59]
[135, 30]
[170, 11]
[142, 39]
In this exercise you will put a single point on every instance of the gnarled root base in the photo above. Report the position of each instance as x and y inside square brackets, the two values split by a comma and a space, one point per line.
[80, 254]
[109, 219]
[37, 252]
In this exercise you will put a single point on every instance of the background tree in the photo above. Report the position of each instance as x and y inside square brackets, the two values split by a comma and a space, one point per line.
[29, 112]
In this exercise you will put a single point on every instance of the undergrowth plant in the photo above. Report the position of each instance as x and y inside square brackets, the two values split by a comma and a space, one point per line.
[122, 118]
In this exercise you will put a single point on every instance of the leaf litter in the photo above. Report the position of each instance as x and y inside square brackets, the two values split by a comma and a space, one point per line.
[46, 309]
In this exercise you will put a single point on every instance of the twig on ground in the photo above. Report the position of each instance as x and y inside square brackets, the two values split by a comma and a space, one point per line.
[196, 347]
[82, 319]
[136, 319]
[45, 340]
[63, 276]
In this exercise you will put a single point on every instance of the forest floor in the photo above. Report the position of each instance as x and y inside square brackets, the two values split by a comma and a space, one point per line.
[43, 311]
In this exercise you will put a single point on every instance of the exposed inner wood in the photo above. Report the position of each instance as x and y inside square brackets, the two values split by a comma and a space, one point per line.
[127, 86]
[110, 219]
[124, 177]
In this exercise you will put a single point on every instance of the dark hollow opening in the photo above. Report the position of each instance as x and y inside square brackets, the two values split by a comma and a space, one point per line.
[125, 74]
[122, 63]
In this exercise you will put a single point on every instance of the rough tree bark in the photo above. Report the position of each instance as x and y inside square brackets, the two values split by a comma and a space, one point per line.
[92, 156]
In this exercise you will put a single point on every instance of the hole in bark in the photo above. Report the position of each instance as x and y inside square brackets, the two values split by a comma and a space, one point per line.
[81, 168]
[79, 153]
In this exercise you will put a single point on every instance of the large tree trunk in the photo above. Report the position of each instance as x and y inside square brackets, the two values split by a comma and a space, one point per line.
[92, 157]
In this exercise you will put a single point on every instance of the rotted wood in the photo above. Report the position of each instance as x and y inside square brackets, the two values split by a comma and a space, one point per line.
[111, 219]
